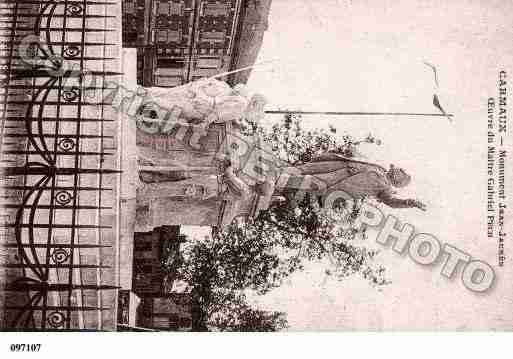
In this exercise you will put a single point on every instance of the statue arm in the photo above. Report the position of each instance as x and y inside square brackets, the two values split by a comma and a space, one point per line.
[393, 202]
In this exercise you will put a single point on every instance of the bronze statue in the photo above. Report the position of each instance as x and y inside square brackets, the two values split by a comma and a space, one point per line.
[334, 172]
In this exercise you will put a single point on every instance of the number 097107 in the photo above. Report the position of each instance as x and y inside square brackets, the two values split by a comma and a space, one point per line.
[25, 347]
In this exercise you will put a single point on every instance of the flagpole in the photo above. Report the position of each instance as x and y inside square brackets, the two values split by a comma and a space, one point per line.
[256, 64]
[359, 113]
[332, 113]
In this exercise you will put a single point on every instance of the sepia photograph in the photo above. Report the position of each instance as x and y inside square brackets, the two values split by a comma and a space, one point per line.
[255, 166]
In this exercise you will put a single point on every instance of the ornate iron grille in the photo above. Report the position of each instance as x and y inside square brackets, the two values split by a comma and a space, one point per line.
[59, 159]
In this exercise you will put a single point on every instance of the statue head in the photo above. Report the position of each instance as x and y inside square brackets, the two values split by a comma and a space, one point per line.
[398, 177]
[255, 110]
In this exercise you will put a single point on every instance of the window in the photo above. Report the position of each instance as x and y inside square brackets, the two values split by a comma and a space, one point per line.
[176, 8]
[215, 36]
[205, 72]
[174, 35]
[169, 71]
[167, 7]
[163, 8]
[129, 7]
[206, 63]
[162, 36]
[168, 81]
[215, 9]
[170, 63]
[165, 36]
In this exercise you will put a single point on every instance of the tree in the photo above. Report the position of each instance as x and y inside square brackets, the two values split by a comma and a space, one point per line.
[247, 319]
[220, 269]
[257, 255]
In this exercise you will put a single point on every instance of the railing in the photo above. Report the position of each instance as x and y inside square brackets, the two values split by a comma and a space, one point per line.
[60, 160]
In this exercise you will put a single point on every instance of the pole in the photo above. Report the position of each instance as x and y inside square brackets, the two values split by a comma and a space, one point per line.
[243, 69]
[360, 113]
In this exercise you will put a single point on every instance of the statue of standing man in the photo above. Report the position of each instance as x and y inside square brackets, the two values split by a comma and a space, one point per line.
[331, 172]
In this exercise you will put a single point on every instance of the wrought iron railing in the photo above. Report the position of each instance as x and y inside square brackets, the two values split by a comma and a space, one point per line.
[59, 159]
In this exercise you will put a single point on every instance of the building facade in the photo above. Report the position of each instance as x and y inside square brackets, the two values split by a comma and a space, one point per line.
[165, 312]
[150, 249]
[180, 41]
[150, 304]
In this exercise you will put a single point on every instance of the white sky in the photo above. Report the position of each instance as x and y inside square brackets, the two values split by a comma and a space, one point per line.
[368, 56]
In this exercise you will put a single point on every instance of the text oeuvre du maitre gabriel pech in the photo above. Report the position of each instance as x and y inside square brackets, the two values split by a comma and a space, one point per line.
[497, 129]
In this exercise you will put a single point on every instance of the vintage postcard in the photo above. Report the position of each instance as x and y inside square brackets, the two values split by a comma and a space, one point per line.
[255, 166]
